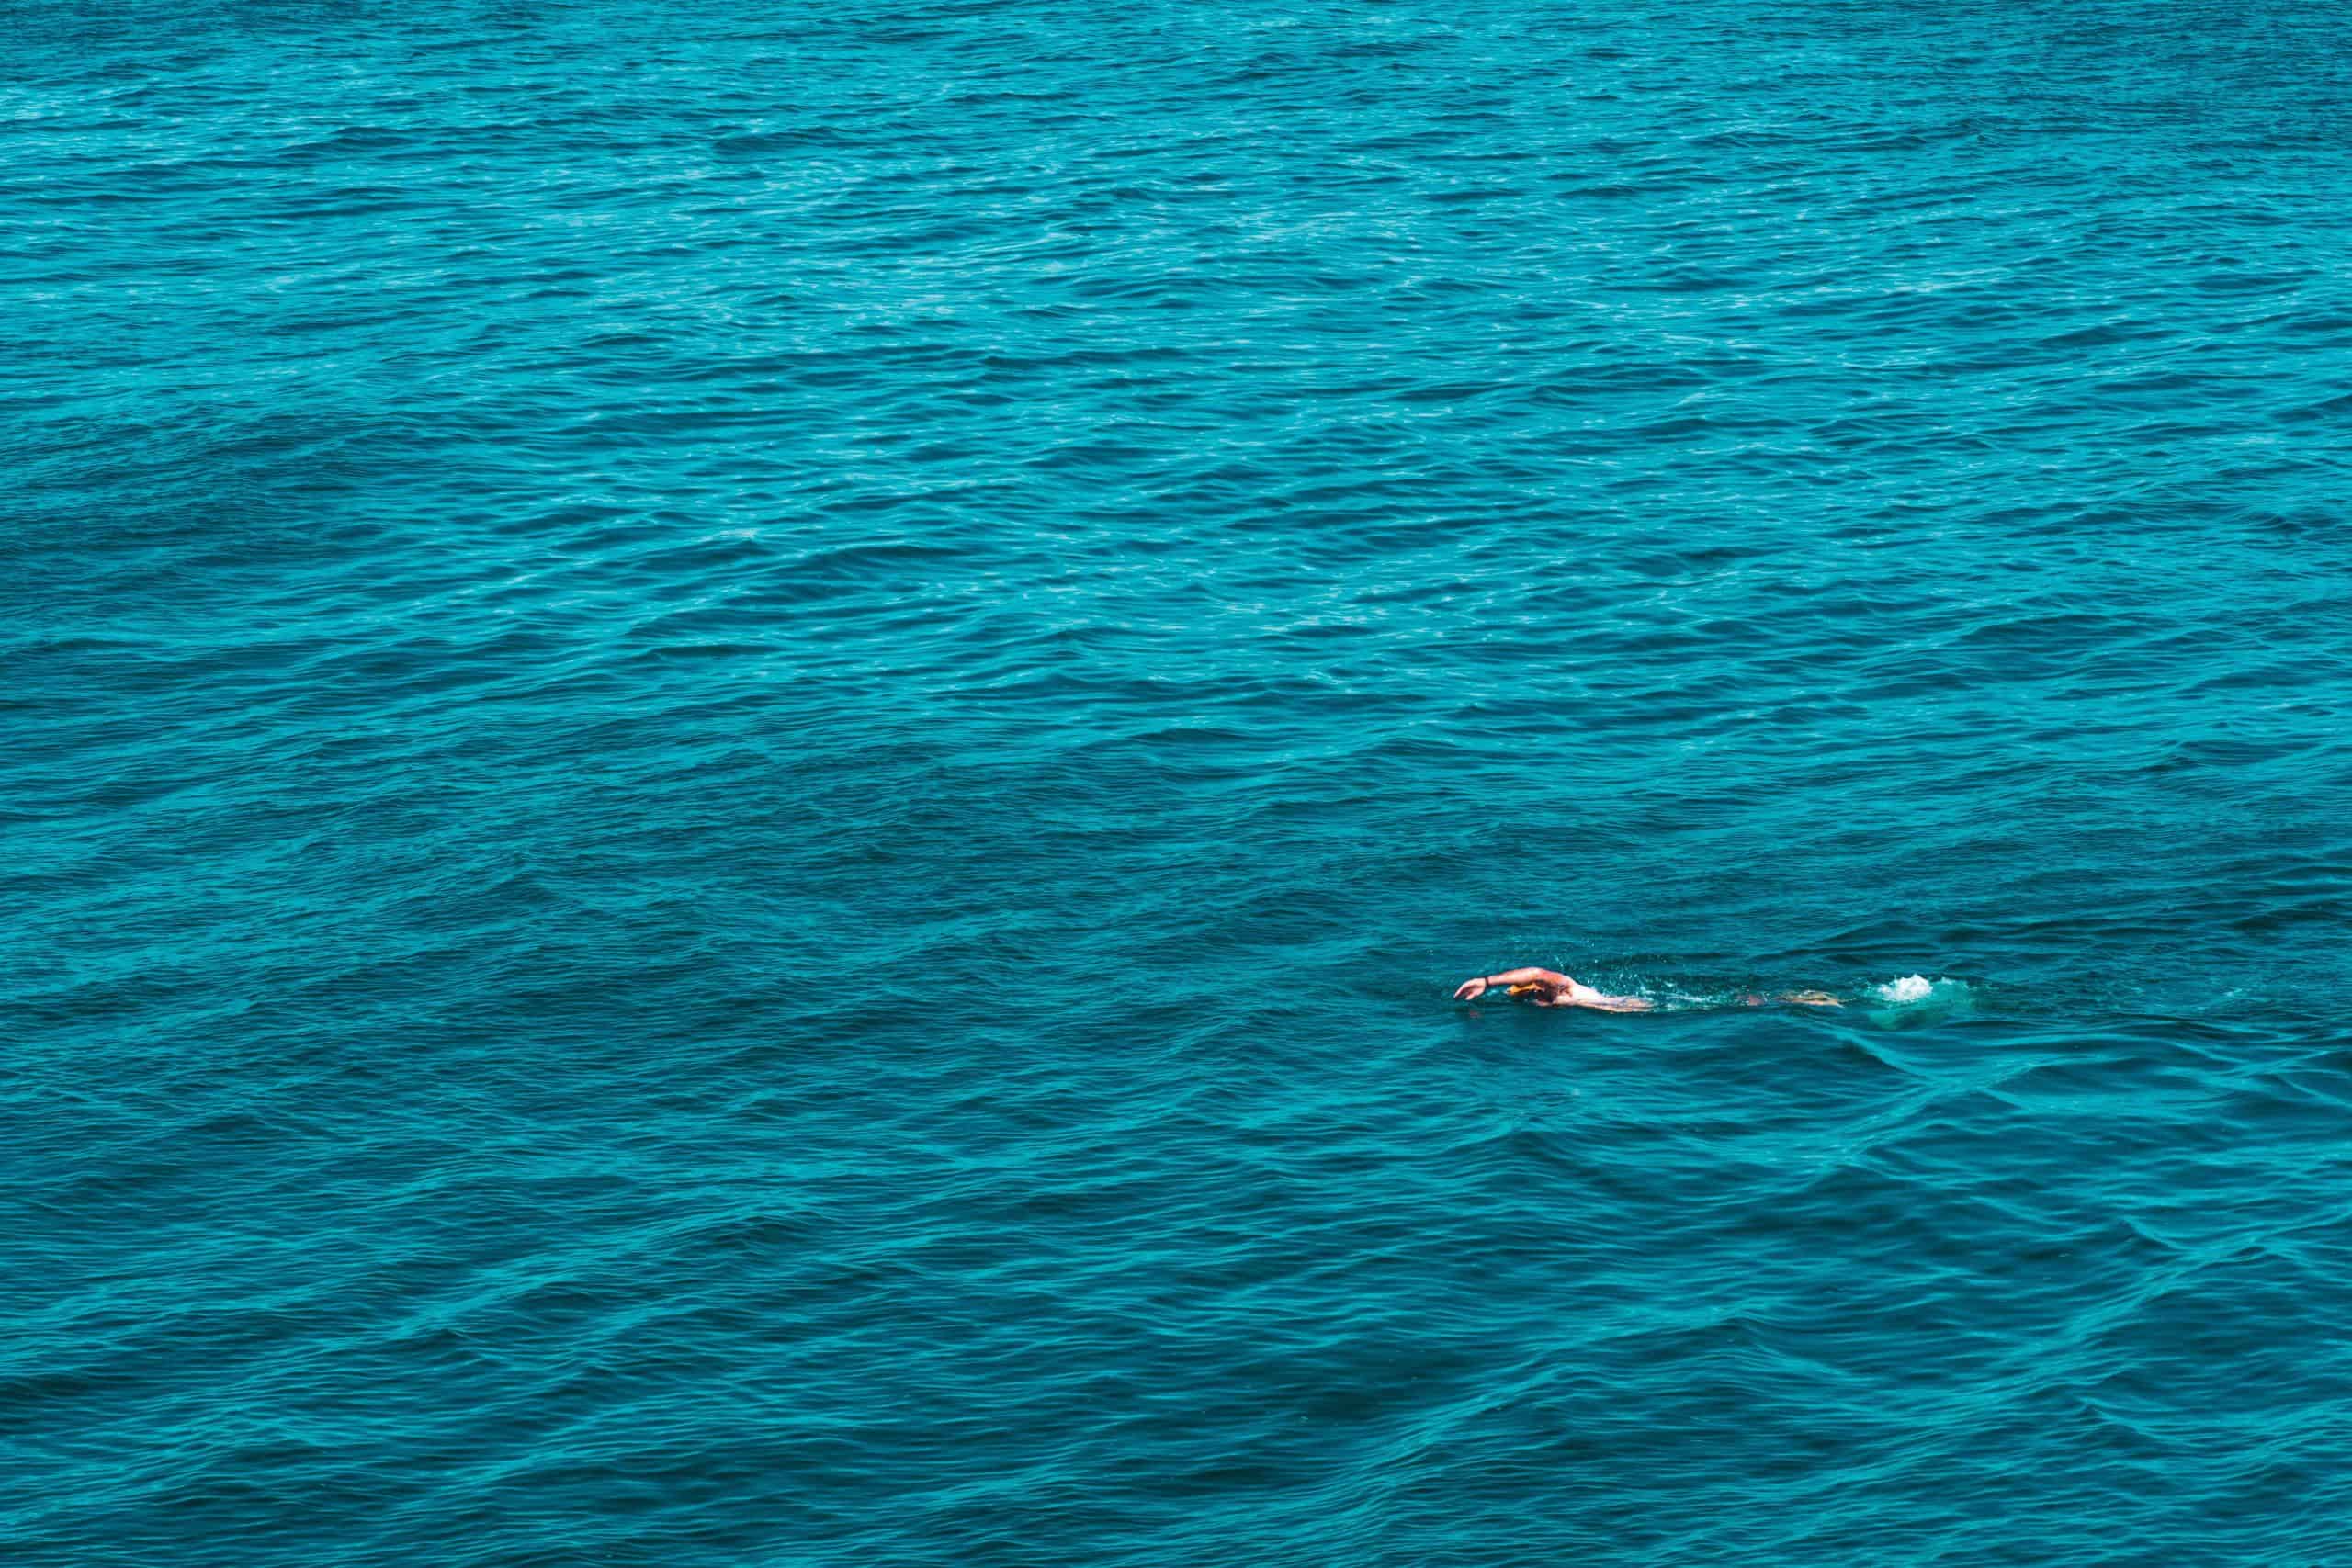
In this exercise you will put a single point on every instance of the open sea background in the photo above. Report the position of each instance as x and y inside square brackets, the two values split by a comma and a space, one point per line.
[745, 749]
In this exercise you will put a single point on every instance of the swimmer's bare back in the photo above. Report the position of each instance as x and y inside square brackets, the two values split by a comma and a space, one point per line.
[1550, 989]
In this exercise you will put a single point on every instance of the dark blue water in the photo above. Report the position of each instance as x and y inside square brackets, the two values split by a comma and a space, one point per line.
[745, 751]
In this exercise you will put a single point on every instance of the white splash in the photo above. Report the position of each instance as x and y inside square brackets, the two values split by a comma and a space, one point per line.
[1910, 988]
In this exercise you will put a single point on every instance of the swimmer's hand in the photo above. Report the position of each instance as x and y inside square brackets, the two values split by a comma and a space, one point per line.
[1471, 990]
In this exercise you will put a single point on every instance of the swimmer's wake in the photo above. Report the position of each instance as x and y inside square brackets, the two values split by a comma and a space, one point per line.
[1550, 989]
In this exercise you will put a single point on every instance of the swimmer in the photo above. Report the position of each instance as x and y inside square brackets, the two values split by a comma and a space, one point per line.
[1550, 989]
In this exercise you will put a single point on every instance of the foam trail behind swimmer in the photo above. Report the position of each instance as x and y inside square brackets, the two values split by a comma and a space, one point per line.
[1917, 990]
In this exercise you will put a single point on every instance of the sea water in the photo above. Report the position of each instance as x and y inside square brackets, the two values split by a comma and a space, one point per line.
[746, 750]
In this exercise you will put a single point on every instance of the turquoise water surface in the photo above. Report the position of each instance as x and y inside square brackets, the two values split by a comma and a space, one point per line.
[747, 748]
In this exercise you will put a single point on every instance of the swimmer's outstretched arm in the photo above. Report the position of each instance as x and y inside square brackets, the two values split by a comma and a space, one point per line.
[1470, 990]
[1549, 989]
